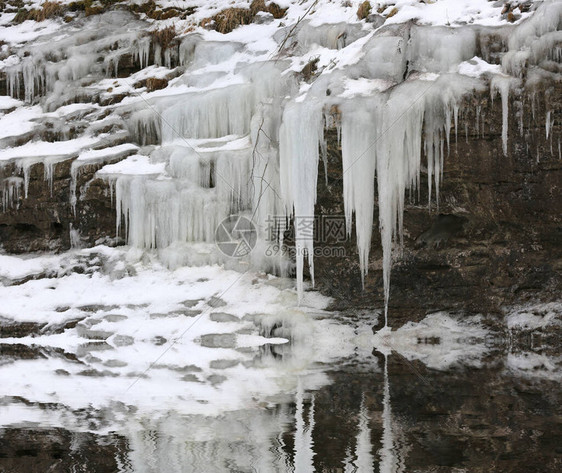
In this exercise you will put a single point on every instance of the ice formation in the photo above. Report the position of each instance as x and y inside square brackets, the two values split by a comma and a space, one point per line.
[238, 125]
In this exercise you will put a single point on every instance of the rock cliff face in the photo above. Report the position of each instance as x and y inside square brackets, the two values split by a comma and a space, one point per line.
[44, 221]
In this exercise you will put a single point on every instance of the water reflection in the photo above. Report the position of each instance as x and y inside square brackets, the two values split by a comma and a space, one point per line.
[334, 397]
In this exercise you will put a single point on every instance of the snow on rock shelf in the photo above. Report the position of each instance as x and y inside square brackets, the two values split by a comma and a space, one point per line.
[221, 124]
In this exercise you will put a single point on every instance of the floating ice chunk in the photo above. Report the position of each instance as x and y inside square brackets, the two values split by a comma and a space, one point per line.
[535, 365]
[449, 341]
[535, 317]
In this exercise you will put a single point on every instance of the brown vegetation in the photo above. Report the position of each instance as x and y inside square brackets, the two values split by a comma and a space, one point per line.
[164, 37]
[364, 10]
[150, 9]
[231, 18]
[392, 12]
[47, 10]
[152, 84]
[310, 69]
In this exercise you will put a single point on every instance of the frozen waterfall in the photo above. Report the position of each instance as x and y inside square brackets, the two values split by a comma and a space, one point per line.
[235, 123]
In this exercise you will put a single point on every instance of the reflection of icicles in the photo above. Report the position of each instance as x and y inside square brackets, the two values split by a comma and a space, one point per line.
[304, 452]
[388, 461]
[348, 466]
[363, 447]
[454, 341]
[236, 441]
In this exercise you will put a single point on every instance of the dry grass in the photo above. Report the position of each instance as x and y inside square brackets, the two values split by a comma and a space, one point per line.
[231, 18]
[260, 6]
[364, 10]
[153, 84]
[164, 37]
[47, 10]
[392, 12]
[310, 69]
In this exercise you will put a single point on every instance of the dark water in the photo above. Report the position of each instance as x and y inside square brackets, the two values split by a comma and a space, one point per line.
[425, 404]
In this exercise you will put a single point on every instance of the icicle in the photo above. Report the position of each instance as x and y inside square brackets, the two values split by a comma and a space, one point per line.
[398, 162]
[168, 58]
[503, 85]
[11, 192]
[304, 453]
[74, 174]
[13, 79]
[24, 165]
[143, 51]
[548, 124]
[157, 54]
[187, 48]
[75, 239]
[300, 135]
[478, 111]
[456, 115]
[359, 134]
[213, 114]
[49, 164]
